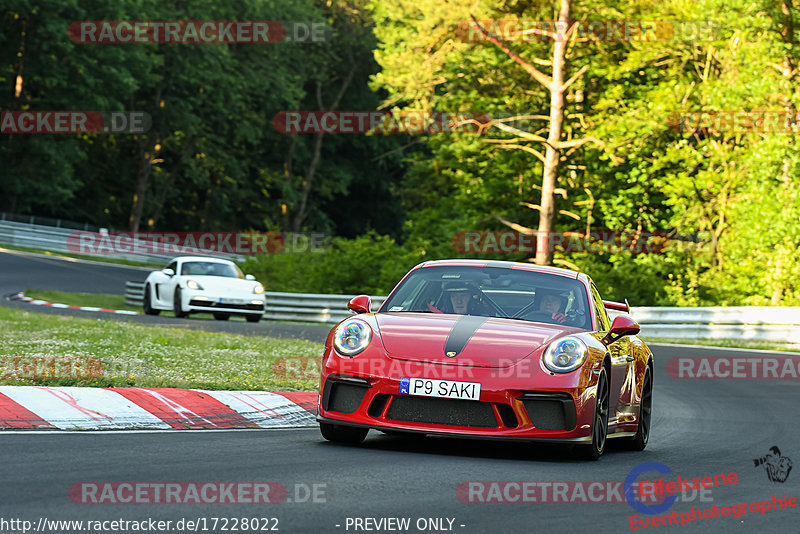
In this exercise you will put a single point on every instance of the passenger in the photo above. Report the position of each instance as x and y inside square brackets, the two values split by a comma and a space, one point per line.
[550, 302]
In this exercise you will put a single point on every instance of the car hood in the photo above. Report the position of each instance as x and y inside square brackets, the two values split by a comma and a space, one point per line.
[223, 284]
[463, 339]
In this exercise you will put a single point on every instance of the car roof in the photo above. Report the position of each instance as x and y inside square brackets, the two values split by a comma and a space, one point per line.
[502, 265]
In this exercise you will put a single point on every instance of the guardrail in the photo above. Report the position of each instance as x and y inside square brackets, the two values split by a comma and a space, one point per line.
[773, 324]
[750, 323]
[47, 221]
[54, 239]
[134, 293]
[305, 307]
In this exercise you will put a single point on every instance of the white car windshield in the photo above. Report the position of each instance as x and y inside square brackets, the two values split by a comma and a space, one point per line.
[211, 268]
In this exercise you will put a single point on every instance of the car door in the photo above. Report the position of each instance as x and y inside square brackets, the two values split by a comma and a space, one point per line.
[165, 288]
[620, 366]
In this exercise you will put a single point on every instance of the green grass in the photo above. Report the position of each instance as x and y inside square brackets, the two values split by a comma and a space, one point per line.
[102, 259]
[38, 349]
[98, 300]
[733, 343]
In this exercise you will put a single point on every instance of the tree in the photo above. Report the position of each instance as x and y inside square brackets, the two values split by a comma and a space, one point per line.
[554, 145]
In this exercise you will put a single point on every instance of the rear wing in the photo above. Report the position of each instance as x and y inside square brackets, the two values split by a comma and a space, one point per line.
[617, 306]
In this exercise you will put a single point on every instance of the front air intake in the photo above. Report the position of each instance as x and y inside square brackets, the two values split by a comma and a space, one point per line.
[550, 410]
[442, 411]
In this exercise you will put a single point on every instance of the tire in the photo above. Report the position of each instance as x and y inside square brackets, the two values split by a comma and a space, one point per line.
[639, 441]
[253, 318]
[343, 434]
[599, 422]
[176, 304]
[220, 316]
[146, 304]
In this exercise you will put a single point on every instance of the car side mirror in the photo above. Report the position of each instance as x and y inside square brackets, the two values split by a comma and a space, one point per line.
[168, 272]
[622, 326]
[249, 277]
[359, 304]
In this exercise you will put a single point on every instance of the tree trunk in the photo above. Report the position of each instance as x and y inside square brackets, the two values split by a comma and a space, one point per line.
[788, 38]
[303, 210]
[170, 182]
[142, 181]
[544, 252]
[557, 87]
[787, 35]
[285, 223]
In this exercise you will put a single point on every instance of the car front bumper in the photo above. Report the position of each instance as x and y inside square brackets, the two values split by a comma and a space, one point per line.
[510, 407]
[202, 301]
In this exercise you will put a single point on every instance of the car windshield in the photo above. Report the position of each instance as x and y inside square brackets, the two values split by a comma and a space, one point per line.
[493, 292]
[211, 268]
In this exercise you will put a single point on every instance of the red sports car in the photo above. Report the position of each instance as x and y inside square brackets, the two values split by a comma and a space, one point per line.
[489, 349]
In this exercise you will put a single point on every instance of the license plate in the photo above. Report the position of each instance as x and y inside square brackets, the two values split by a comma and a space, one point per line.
[231, 301]
[447, 389]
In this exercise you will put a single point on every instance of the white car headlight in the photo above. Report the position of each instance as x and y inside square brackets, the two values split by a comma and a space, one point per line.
[565, 355]
[192, 284]
[351, 337]
[258, 290]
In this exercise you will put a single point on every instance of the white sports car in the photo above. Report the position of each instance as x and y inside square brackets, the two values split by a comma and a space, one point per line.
[193, 284]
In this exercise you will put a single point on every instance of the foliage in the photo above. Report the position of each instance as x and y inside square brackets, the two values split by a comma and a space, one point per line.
[213, 161]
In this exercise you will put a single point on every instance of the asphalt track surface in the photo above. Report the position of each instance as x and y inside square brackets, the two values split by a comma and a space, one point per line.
[700, 428]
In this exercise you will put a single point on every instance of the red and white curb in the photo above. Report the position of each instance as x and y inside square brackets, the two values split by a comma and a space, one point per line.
[86, 408]
[36, 302]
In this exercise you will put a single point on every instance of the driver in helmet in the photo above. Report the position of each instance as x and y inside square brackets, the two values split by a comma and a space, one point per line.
[462, 298]
[552, 303]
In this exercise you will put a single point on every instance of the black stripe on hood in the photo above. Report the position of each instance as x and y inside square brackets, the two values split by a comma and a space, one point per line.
[461, 333]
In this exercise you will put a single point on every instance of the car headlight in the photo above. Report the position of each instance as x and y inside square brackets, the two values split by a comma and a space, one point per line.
[258, 290]
[192, 284]
[351, 337]
[565, 355]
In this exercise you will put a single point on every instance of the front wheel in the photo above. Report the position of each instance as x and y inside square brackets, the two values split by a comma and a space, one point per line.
[147, 304]
[342, 434]
[600, 421]
[253, 317]
[177, 304]
[639, 441]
